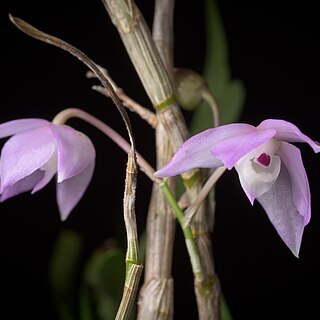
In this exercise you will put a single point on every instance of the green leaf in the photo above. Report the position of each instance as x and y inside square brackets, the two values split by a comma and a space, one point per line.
[62, 270]
[229, 93]
[216, 65]
[85, 307]
[225, 312]
[64, 261]
[232, 101]
[104, 270]
[104, 275]
[201, 119]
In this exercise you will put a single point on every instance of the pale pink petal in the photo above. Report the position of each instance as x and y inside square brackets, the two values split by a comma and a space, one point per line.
[279, 205]
[291, 157]
[49, 169]
[286, 131]
[16, 126]
[232, 149]
[25, 153]
[195, 152]
[256, 179]
[23, 185]
[75, 151]
[70, 191]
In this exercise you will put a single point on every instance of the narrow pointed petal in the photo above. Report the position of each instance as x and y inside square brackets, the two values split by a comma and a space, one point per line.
[25, 153]
[232, 149]
[23, 185]
[70, 191]
[286, 131]
[75, 151]
[195, 152]
[16, 126]
[291, 157]
[256, 179]
[283, 214]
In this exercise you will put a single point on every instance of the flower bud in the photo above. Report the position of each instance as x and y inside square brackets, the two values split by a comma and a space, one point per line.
[188, 88]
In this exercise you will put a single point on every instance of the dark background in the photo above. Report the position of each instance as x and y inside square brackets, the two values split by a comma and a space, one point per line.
[273, 49]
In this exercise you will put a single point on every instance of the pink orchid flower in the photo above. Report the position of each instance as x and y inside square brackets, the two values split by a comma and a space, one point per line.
[270, 169]
[39, 149]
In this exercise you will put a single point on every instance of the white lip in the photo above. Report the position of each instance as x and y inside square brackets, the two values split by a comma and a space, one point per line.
[255, 178]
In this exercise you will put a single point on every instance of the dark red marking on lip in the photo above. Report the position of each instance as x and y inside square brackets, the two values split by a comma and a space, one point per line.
[264, 159]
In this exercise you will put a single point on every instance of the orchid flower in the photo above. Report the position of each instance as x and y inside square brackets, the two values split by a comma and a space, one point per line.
[270, 169]
[39, 149]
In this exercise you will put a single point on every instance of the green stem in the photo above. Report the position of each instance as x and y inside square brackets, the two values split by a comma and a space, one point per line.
[133, 274]
[187, 232]
[133, 265]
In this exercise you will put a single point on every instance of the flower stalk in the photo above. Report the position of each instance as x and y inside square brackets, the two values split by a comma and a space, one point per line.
[190, 243]
[66, 114]
[208, 96]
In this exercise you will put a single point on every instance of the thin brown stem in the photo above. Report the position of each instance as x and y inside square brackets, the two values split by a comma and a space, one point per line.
[194, 207]
[132, 105]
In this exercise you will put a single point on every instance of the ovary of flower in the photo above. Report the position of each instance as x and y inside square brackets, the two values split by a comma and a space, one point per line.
[270, 169]
[37, 151]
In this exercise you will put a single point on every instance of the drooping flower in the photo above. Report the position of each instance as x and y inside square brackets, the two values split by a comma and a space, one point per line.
[270, 169]
[39, 149]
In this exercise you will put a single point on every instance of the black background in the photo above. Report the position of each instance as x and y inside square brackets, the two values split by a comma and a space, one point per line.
[273, 49]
